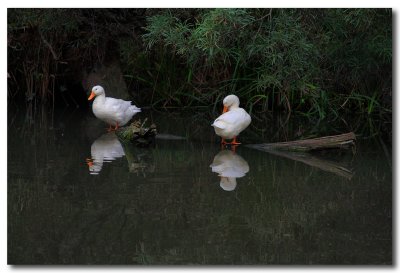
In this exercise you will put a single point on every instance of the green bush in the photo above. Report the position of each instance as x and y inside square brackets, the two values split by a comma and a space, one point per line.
[318, 62]
[308, 60]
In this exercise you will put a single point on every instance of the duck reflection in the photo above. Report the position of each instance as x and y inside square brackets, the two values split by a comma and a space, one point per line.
[229, 166]
[104, 149]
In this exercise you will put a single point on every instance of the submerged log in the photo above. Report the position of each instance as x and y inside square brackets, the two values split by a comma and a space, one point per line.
[320, 163]
[338, 141]
[295, 150]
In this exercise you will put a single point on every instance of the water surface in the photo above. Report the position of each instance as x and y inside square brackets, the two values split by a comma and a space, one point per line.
[77, 195]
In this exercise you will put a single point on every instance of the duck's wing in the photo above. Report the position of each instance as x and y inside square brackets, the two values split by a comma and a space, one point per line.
[230, 118]
[117, 105]
[222, 121]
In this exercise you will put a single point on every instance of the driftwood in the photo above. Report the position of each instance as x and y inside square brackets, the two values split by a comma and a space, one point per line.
[338, 141]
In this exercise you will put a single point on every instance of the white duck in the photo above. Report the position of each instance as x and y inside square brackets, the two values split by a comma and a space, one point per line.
[232, 121]
[115, 112]
[229, 166]
[104, 149]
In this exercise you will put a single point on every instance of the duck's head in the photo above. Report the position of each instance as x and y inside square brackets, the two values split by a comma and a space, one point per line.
[230, 101]
[97, 90]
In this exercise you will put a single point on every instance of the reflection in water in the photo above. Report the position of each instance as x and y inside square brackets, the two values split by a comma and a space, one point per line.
[229, 166]
[104, 149]
[140, 160]
[161, 210]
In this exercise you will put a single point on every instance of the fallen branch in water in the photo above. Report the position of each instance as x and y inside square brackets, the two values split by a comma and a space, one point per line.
[338, 141]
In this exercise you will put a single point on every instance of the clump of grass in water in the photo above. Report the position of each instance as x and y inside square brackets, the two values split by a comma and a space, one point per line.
[137, 133]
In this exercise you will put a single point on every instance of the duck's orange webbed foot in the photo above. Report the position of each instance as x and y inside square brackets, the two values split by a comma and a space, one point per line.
[223, 143]
[89, 162]
[234, 142]
[112, 129]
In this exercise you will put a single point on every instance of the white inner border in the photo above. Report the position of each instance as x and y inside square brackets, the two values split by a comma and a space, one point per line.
[179, 3]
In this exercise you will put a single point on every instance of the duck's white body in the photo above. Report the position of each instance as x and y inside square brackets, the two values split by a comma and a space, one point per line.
[105, 149]
[115, 112]
[229, 166]
[231, 123]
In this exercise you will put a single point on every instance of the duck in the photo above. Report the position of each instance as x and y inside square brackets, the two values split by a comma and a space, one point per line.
[115, 112]
[232, 121]
[106, 148]
[229, 166]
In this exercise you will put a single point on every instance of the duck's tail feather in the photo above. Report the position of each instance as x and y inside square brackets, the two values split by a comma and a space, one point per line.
[135, 109]
[219, 124]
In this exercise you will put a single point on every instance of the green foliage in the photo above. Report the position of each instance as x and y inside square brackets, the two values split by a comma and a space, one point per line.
[285, 58]
[319, 62]
[359, 47]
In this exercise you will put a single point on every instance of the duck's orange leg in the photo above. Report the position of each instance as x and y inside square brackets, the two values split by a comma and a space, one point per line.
[234, 142]
[234, 148]
[112, 129]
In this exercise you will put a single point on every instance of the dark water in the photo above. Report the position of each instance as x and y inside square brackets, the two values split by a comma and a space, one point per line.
[165, 205]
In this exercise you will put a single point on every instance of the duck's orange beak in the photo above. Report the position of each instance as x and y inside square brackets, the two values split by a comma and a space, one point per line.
[225, 109]
[92, 95]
